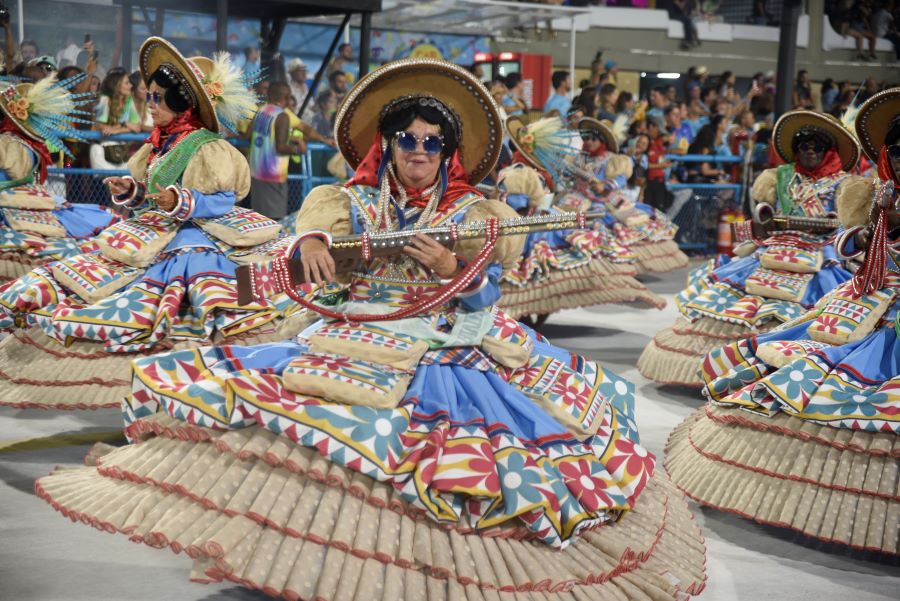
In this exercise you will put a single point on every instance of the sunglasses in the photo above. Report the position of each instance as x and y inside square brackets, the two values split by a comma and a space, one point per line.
[589, 137]
[893, 151]
[407, 142]
[153, 97]
[814, 146]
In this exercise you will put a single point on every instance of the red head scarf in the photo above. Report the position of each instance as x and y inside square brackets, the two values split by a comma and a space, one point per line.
[184, 123]
[831, 164]
[597, 152]
[457, 184]
[885, 169]
[8, 126]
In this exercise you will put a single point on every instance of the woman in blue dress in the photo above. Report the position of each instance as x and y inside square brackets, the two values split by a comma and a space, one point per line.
[37, 226]
[802, 426]
[417, 441]
[165, 276]
[778, 275]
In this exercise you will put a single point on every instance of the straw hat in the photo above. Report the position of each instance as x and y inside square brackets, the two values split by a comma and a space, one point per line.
[14, 104]
[157, 53]
[594, 125]
[874, 120]
[480, 136]
[792, 122]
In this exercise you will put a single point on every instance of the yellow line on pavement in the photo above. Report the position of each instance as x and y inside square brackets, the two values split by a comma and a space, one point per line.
[61, 440]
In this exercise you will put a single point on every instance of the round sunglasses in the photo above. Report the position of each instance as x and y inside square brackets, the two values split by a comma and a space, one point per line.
[588, 137]
[814, 146]
[409, 142]
[153, 97]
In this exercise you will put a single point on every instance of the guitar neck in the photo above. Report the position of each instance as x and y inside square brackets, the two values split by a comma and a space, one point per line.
[810, 224]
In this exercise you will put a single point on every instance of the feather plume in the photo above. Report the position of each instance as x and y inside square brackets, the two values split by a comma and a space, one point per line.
[236, 102]
[46, 98]
[620, 128]
[552, 143]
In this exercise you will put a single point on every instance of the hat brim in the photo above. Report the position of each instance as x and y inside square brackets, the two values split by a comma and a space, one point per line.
[874, 118]
[23, 126]
[513, 125]
[156, 52]
[790, 123]
[591, 124]
[480, 137]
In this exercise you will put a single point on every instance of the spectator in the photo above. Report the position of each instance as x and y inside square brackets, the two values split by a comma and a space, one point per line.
[588, 101]
[850, 18]
[655, 192]
[708, 138]
[271, 147]
[326, 107]
[761, 15]
[139, 98]
[252, 59]
[708, 98]
[695, 117]
[608, 97]
[28, 50]
[498, 91]
[559, 100]
[870, 88]
[477, 70]
[682, 11]
[337, 83]
[885, 25]
[638, 153]
[829, 94]
[658, 102]
[803, 96]
[261, 88]
[625, 105]
[513, 102]
[681, 133]
[297, 73]
[343, 62]
[612, 72]
[115, 113]
[726, 84]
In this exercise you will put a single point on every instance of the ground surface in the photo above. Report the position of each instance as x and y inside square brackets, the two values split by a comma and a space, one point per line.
[45, 557]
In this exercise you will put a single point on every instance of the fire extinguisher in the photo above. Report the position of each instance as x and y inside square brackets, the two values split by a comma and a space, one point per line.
[725, 239]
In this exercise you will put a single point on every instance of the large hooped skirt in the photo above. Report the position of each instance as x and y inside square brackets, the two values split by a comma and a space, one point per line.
[658, 256]
[598, 281]
[251, 507]
[832, 484]
[37, 372]
[675, 355]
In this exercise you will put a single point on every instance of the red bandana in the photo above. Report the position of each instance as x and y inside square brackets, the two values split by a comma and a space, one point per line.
[597, 152]
[183, 124]
[885, 169]
[367, 175]
[831, 164]
[8, 126]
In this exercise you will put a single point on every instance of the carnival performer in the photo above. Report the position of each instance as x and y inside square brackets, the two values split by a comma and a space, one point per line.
[37, 226]
[416, 442]
[781, 272]
[595, 182]
[558, 269]
[802, 426]
[164, 275]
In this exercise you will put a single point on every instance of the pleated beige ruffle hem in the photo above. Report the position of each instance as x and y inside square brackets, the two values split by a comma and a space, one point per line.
[252, 507]
[833, 484]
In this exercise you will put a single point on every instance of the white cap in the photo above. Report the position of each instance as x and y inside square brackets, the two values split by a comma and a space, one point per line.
[296, 64]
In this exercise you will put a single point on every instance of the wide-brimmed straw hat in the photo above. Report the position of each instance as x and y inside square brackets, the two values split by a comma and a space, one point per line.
[601, 128]
[480, 135]
[874, 120]
[792, 122]
[14, 104]
[157, 53]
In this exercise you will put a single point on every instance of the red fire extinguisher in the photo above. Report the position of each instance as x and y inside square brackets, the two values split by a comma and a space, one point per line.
[724, 239]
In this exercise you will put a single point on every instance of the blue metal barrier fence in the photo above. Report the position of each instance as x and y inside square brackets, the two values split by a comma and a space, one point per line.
[697, 214]
[81, 185]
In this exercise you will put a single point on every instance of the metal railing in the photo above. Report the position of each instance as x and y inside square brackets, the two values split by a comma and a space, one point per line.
[697, 224]
[83, 185]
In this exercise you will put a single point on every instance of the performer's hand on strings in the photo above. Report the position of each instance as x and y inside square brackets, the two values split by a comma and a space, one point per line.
[318, 264]
[432, 255]
[164, 198]
[118, 186]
